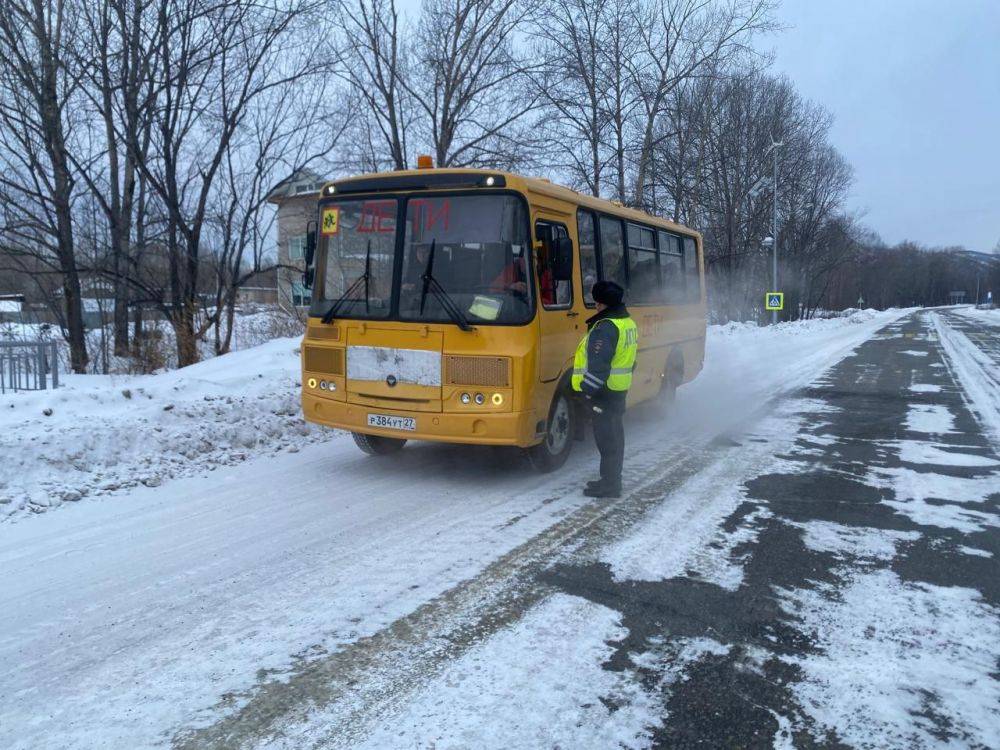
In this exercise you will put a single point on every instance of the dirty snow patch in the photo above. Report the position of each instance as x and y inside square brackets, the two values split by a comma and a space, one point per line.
[537, 684]
[653, 552]
[932, 419]
[974, 551]
[909, 484]
[931, 499]
[944, 515]
[892, 656]
[853, 541]
[925, 388]
[918, 452]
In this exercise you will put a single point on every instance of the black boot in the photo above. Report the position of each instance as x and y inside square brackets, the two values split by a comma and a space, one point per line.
[603, 489]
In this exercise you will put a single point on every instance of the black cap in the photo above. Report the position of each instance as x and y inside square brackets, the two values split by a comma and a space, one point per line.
[608, 293]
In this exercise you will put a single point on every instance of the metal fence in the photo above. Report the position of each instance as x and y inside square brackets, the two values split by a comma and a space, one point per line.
[28, 366]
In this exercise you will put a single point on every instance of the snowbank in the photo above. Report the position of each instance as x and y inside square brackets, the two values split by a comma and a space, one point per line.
[975, 370]
[988, 315]
[799, 327]
[101, 433]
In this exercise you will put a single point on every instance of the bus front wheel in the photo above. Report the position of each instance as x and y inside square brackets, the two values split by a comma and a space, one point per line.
[553, 451]
[376, 445]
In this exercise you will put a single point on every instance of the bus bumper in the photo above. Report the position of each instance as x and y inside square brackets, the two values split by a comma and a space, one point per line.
[508, 428]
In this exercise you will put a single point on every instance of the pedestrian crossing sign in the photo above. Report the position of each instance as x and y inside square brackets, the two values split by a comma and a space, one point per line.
[774, 301]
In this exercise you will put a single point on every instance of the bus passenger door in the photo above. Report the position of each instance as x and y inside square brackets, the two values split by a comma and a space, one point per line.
[560, 326]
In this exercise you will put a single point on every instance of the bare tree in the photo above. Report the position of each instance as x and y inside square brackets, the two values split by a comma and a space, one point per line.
[569, 36]
[470, 83]
[213, 64]
[283, 133]
[683, 39]
[36, 89]
[117, 56]
[623, 21]
[372, 60]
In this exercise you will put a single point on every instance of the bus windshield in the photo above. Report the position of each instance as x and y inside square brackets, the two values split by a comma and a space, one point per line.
[480, 258]
[473, 247]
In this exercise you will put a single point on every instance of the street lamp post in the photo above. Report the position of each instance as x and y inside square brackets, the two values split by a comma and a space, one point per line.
[775, 145]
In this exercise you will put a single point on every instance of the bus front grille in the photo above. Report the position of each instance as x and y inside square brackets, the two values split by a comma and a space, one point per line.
[324, 361]
[488, 371]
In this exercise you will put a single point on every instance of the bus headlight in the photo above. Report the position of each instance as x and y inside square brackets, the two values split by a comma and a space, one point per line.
[480, 399]
[497, 399]
[311, 382]
[322, 385]
[466, 398]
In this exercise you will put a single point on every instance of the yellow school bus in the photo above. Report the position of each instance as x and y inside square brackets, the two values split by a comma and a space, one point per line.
[447, 305]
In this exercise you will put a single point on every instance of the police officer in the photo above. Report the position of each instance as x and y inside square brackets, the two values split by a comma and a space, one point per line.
[602, 372]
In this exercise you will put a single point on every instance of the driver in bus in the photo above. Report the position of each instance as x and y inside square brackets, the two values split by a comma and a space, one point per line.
[413, 273]
[413, 278]
[514, 279]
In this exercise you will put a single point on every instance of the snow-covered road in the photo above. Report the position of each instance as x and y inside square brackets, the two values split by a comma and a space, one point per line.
[324, 598]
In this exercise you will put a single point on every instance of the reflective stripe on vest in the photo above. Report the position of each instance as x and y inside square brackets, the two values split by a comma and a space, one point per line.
[622, 363]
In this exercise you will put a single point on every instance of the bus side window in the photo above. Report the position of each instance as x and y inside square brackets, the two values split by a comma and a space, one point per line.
[672, 269]
[691, 270]
[612, 251]
[643, 270]
[588, 253]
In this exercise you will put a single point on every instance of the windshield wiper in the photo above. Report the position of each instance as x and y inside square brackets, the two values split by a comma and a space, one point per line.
[335, 307]
[446, 302]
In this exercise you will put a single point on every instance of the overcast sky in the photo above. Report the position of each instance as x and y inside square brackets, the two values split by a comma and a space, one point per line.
[914, 86]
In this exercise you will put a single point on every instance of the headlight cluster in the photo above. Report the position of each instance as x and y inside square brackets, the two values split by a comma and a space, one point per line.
[324, 385]
[480, 399]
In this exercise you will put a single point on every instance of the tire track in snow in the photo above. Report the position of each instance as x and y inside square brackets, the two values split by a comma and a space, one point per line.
[373, 671]
[371, 675]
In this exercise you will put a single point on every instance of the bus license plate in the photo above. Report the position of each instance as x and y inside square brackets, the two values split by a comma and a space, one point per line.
[392, 423]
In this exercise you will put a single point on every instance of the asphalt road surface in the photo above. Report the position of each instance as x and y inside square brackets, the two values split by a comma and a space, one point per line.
[817, 569]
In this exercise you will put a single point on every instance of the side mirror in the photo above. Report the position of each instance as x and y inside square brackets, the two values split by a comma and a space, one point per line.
[310, 243]
[562, 259]
[307, 278]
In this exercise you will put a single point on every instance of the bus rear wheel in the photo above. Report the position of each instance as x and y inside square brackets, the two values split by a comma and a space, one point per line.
[376, 445]
[673, 376]
[553, 451]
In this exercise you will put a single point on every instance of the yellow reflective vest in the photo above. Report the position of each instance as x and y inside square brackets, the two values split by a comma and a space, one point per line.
[622, 363]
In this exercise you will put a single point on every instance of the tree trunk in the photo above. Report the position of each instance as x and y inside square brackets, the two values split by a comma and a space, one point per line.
[137, 332]
[75, 334]
[227, 340]
[121, 306]
[187, 343]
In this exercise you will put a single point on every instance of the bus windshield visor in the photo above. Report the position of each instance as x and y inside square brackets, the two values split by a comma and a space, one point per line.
[356, 258]
[468, 253]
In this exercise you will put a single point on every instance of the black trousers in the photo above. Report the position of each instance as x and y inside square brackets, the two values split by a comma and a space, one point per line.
[609, 433]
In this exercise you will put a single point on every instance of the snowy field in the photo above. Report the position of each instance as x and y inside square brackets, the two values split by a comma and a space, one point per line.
[806, 554]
